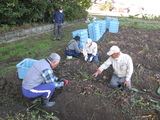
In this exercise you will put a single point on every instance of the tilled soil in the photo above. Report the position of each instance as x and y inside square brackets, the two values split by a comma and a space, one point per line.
[88, 98]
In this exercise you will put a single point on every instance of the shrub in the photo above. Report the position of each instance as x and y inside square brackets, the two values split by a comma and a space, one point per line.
[17, 12]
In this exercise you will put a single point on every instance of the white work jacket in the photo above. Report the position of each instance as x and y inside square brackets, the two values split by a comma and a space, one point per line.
[123, 66]
[91, 49]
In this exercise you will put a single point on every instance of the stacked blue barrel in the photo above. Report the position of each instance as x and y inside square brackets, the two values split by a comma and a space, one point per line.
[94, 31]
[112, 24]
[83, 34]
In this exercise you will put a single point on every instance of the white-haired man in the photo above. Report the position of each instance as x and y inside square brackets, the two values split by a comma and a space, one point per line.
[123, 68]
[41, 81]
[90, 51]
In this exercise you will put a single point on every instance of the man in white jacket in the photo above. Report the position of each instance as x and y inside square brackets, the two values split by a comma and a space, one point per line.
[123, 68]
[90, 51]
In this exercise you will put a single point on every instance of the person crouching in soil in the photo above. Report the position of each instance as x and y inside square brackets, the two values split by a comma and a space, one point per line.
[123, 68]
[90, 51]
[72, 49]
[41, 81]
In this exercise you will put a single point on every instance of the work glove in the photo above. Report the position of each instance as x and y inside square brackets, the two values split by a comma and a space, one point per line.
[66, 82]
[86, 58]
[90, 59]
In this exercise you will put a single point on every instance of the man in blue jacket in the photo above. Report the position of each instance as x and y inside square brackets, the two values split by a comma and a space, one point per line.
[41, 81]
[58, 19]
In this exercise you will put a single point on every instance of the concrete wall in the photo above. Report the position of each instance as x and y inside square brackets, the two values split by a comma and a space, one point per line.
[20, 34]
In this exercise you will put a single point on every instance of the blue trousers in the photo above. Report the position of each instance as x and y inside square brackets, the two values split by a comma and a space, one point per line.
[44, 90]
[74, 54]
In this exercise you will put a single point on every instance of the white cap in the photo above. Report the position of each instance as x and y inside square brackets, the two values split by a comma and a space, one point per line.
[113, 49]
[88, 42]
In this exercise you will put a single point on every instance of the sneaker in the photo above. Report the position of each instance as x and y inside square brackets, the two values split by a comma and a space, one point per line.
[124, 88]
[59, 38]
[69, 57]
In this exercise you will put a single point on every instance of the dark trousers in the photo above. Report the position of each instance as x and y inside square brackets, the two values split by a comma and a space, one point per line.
[74, 54]
[95, 58]
[57, 30]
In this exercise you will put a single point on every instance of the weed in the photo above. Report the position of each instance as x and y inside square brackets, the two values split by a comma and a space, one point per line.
[85, 76]
[76, 75]
[10, 69]
[136, 102]
[145, 49]
[136, 80]
[134, 24]
[139, 23]
[32, 115]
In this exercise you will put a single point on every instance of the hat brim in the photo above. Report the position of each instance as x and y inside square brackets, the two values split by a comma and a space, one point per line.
[88, 44]
[110, 53]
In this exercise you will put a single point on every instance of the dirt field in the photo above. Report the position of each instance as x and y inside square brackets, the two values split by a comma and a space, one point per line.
[87, 98]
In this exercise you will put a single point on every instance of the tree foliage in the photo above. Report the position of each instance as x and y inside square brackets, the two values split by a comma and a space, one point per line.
[17, 12]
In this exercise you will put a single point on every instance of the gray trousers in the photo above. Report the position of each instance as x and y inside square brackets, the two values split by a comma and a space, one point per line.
[57, 30]
[115, 81]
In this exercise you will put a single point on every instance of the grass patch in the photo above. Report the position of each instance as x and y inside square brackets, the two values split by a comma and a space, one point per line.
[139, 23]
[35, 46]
[134, 22]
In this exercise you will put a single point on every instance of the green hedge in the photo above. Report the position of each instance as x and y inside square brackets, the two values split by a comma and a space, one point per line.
[17, 12]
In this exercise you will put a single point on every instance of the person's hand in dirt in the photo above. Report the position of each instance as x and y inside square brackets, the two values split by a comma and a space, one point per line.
[96, 73]
[81, 51]
[127, 84]
[66, 82]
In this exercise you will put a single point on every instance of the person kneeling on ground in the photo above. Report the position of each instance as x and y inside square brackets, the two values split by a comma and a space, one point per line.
[41, 81]
[90, 51]
[123, 68]
[72, 49]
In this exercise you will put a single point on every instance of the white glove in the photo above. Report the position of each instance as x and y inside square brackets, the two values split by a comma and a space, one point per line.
[90, 58]
[86, 58]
